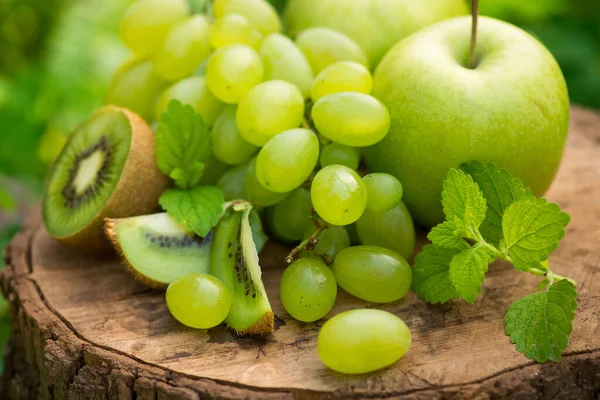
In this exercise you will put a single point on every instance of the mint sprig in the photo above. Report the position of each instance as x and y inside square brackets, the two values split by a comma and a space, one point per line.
[431, 274]
[463, 202]
[500, 190]
[491, 215]
[532, 229]
[197, 209]
[540, 324]
[183, 146]
[467, 272]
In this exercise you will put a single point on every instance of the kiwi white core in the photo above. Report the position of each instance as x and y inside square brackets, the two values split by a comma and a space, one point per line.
[88, 170]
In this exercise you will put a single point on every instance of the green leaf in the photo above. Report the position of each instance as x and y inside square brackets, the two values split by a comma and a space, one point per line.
[540, 324]
[430, 279]
[199, 209]
[446, 235]
[532, 230]
[543, 284]
[500, 189]
[467, 272]
[180, 177]
[183, 144]
[463, 202]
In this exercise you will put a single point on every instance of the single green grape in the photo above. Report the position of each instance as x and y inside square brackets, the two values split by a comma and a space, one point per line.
[308, 289]
[147, 23]
[289, 219]
[338, 195]
[135, 86]
[213, 171]
[234, 29]
[268, 109]
[283, 60]
[335, 153]
[232, 71]
[256, 193]
[362, 340]
[184, 49]
[227, 144]
[351, 118]
[232, 182]
[325, 46]
[372, 273]
[332, 240]
[384, 191]
[287, 160]
[393, 229]
[195, 92]
[260, 13]
[342, 76]
[200, 301]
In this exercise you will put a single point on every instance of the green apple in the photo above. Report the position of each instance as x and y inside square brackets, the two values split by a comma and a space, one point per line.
[375, 25]
[512, 108]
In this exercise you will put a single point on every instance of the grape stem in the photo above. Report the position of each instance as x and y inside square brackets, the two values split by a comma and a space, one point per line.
[475, 15]
[311, 240]
[306, 124]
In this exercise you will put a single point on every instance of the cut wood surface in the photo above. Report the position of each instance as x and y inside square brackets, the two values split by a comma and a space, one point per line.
[83, 328]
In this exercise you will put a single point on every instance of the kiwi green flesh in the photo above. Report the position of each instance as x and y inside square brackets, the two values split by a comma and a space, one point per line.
[157, 249]
[258, 235]
[234, 261]
[86, 172]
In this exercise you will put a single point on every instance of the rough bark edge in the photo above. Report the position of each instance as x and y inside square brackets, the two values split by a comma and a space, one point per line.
[47, 358]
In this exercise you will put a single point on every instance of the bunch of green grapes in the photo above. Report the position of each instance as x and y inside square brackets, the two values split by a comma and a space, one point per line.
[288, 119]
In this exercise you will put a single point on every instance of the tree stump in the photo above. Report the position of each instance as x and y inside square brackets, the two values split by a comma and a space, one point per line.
[84, 329]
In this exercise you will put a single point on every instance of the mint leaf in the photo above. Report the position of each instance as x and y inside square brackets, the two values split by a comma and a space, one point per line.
[446, 235]
[463, 202]
[180, 177]
[500, 189]
[467, 272]
[540, 324]
[532, 229]
[199, 209]
[543, 284]
[183, 144]
[430, 280]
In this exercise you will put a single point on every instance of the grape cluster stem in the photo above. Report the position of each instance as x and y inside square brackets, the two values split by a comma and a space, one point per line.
[311, 240]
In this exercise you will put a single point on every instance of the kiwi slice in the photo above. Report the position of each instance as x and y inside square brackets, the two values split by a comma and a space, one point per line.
[156, 249]
[234, 260]
[107, 168]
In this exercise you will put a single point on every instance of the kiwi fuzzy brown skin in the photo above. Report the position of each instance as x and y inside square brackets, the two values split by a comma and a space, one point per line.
[264, 326]
[140, 185]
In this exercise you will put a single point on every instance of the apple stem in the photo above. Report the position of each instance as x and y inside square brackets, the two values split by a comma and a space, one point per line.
[475, 14]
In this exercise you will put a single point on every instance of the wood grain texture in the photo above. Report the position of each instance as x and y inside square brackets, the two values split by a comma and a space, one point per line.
[83, 328]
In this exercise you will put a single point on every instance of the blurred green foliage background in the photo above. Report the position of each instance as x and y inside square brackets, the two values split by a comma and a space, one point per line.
[57, 56]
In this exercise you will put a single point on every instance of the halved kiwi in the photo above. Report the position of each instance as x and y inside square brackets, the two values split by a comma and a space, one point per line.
[157, 250]
[234, 261]
[107, 168]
